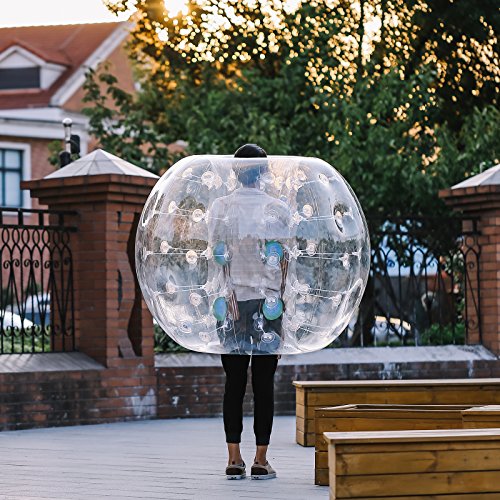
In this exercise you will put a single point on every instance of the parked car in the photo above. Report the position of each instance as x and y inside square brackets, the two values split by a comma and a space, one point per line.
[389, 330]
[10, 320]
[37, 308]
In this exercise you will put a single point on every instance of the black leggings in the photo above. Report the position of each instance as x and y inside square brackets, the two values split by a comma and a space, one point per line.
[263, 370]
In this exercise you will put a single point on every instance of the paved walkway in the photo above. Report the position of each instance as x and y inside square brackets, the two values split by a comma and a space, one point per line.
[158, 459]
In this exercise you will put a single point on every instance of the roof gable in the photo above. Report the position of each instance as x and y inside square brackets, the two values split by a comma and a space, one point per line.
[19, 54]
[71, 47]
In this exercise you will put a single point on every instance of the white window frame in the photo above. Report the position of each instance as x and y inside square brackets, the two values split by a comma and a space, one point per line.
[26, 167]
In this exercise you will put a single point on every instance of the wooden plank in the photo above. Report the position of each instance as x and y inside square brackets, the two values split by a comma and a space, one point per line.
[376, 449]
[362, 410]
[325, 411]
[464, 496]
[434, 483]
[402, 461]
[395, 415]
[321, 459]
[300, 411]
[485, 416]
[481, 424]
[310, 411]
[300, 424]
[332, 477]
[321, 476]
[415, 436]
[300, 437]
[484, 410]
[300, 396]
[424, 396]
[321, 443]
[308, 384]
[310, 439]
[487, 388]
[488, 417]
[385, 424]
[304, 439]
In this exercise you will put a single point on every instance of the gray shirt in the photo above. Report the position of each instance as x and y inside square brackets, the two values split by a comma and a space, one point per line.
[245, 220]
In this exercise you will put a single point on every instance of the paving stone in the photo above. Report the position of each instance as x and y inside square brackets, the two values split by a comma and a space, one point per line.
[156, 459]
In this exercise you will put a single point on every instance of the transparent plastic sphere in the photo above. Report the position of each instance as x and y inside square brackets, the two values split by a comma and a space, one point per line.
[252, 256]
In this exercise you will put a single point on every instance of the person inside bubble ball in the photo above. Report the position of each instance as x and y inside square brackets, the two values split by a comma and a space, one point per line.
[248, 230]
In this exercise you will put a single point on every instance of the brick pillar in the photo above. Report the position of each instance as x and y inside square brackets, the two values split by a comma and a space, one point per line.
[479, 196]
[112, 322]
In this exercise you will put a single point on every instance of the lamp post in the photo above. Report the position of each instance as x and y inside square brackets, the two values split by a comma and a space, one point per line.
[71, 144]
[67, 122]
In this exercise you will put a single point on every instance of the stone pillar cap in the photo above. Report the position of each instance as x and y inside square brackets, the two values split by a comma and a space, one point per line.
[97, 163]
[490, 177]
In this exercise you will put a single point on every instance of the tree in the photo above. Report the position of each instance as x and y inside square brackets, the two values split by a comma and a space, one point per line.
[399, 95]
[370, 87]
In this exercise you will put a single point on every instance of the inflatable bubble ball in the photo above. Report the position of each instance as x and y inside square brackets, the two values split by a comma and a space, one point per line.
[252, 255]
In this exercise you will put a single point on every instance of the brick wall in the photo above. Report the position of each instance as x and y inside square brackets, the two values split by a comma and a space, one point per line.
[134, 391]
[59, 398]
[480, 197]
[119, 66]
[187, 391]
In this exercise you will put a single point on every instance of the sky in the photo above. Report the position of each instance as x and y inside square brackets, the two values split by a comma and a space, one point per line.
[39, 12]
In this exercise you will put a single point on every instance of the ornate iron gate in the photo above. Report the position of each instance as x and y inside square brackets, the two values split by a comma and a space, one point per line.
[36, 282]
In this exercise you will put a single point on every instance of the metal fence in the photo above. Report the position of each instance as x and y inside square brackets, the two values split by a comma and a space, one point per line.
[423, 287]
[36, 281]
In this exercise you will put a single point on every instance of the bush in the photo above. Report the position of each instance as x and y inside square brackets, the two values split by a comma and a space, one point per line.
[165, 344]
[443, 335]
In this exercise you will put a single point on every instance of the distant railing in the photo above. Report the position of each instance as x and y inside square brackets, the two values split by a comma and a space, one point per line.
[423, 287]
[36, 281]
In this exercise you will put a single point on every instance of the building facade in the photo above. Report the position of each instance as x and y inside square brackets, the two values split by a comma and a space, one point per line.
[42, 73]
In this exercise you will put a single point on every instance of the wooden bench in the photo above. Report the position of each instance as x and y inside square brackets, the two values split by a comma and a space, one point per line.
[457, 464]
[481, 417]
[355, 418]
[312, 395]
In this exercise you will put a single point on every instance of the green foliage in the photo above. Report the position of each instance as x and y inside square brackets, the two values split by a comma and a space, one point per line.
[126, 125]
[475, 147]
[385, 144]
[55, 147]
[443, 335]
[298, 81]
[32, 340]
[164, 343]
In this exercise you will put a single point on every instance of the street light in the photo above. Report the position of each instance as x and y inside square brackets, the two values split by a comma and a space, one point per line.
[71, 144]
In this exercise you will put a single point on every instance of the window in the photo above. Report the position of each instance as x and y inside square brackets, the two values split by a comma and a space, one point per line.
[19, 78]
[11, 171]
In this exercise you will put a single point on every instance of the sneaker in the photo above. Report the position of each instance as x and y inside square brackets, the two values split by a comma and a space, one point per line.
[236, 471]
[263, 471]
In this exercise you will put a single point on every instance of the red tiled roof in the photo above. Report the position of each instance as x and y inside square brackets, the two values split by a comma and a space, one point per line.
[69, 45]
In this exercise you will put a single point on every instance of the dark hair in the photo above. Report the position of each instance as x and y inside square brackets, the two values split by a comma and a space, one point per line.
[250, 151]
[248, 175]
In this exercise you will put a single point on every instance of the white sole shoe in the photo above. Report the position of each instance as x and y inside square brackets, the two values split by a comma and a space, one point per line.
[263, 471]
[264, 476]
[236, 471]
[236, 476]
